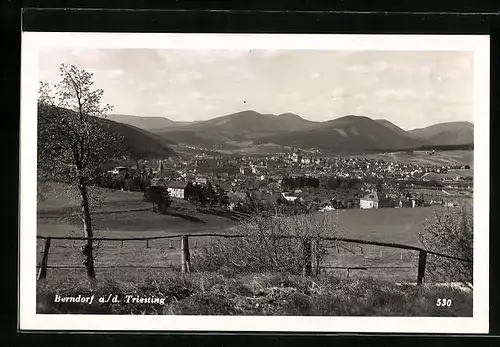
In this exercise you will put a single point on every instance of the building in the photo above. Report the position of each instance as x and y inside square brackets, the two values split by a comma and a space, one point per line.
[201, 180]
[296, 157]
[369, 201]
[288, 197]
[177, 189]
[159, 172]
[245, 170]
[118, 170]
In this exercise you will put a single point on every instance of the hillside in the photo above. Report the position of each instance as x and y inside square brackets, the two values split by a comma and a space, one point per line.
[153, 124]
[190, 138]
[347, 134]
[137, 143]
[248, 129]
[252, 123]
[140, 143]
[394, 127]
[443, 134]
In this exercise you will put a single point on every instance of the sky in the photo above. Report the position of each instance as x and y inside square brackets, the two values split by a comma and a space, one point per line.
[410, 89]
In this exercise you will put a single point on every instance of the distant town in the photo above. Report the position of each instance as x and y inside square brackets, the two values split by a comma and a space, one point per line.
[326, 183]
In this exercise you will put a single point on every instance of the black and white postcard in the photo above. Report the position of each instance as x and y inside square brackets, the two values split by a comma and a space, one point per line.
[230, 182]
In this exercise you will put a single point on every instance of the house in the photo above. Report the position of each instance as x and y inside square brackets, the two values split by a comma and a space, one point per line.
[327, 208]
[177, 189]
[296, 157]
[160, 169]
[369, 201]
[245, 170]
[288, 197]
[118, 170]
[257, 169]
[201, 180]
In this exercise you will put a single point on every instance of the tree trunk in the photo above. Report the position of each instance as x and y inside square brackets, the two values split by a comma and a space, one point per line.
[88, 232]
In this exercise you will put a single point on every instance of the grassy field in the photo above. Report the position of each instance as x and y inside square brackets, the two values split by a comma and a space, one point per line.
[393, 225]
[132, 217]
[368, 287]
[456, 157]
[255, 295]
[59, 196]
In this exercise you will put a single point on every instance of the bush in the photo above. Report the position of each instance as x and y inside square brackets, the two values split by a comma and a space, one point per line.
[269, 245]
[449, 232]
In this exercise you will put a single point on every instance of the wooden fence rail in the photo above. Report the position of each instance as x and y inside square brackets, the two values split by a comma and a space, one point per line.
[306, 247]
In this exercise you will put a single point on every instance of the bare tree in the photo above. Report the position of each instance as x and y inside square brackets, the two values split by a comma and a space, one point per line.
[288, 244]
[74, 141]
[450, 232]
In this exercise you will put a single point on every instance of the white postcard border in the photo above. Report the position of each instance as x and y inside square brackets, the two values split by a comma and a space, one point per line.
[33, 41]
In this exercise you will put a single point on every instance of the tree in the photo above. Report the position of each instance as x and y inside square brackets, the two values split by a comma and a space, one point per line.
[159, 197]
[74, 142]
[450, 232]
[209, 193]
[221, 197]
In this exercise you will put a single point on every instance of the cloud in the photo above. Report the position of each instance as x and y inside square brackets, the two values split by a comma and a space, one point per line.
[115, 73]
[162, 103]
[186, 77]
[211, 107]
[396, 95]
[338, 92]
[289, 96]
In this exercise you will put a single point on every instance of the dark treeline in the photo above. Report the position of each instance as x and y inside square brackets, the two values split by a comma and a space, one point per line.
[206, 194]
[134, 182]
[465, 146]
[329, 182]
[300, 182]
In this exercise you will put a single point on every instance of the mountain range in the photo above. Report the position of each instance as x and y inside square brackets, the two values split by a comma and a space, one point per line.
[451, 133]
[345, 134]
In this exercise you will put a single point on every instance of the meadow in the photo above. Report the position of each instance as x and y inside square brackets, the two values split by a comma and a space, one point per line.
[354, 279]
[125, 214]
[453, 157]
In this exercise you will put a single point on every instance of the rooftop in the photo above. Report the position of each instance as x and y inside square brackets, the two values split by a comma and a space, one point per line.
[177, 184]
[373, 196]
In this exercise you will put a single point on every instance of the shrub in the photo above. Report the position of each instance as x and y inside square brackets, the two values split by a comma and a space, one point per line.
[203, 304]
[266, 244]
[450, 232]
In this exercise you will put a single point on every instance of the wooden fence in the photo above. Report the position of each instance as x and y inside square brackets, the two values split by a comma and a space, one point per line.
[306, 247]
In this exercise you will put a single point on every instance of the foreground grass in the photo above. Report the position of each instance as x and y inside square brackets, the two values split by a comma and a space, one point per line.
[262, 294]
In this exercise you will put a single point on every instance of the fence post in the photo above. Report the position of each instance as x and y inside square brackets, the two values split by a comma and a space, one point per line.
[185, 256]
[422, 258]
[316, 260]
[42, 272]
[306, 258]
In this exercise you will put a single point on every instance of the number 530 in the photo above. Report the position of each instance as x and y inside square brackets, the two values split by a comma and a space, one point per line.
[443, 302]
